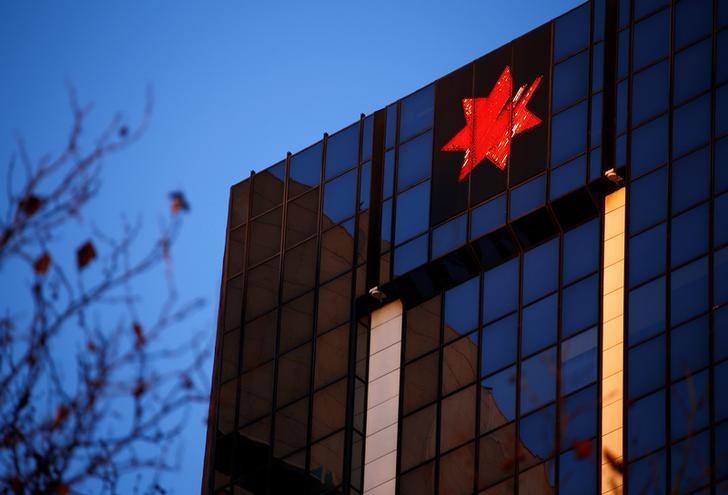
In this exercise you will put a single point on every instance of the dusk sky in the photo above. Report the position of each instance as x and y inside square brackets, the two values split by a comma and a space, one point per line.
[236, 86]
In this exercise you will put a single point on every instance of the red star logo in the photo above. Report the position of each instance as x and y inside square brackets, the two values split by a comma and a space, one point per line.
[491, 123]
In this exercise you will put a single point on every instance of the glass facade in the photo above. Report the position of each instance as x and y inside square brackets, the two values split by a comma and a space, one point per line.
[550, 221]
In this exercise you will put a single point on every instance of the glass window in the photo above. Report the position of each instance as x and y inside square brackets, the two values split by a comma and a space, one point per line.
[722, 13]
[305, 170]
[498, 399]
[647, 475]
[294, 370]
[689, 237]
[240, 197]
[262, 293]
[259, 337]
[647, 254]
[342, 150]
[489, 216]
[539, 325]
[538, 433]
[256, 393]
[622, 107]
[388, 178]
[296, 322]
[579, 417]
[391, 132]
[538, 380]
[570, 81]
[337, 253]
[540, 270]
[457, 421]
[597, 67]
[649, 95]
[412, 212]
[494, 448]
[500, 290]
[265, 236]
[579, 361]
[416, 113]
[422, 328]
[646, 424]
[623, 47]
[449, 236]
[299, 273]
[461, 307]
[691, 463]
[572, 32]
[691, 125]
[690, 179]
[334, 303]
[565, 143]
[499, 343]
[291, 427]
[651, 39]
[648, 201]
[528, 196]
[689, 405]
[332, 352]
[599, 8]
[580, 304]
[268, 188]
[302, 219]
[720, 277]
[647, 310]
[386, 226]
[410, 255]
[649, 146]
[365, 182]
[329, 409]
[689, 291]
[646, 367]
[692, 71]
[340, 198]
[457, 470]
[230, 355]
[577, 472]
[568, 177]
[418, 439]
[420, 382]
[721, 333]
[581, 251]
[720, 221]
[414, 161]
[693, 20]
[596, 120]
[420, 480]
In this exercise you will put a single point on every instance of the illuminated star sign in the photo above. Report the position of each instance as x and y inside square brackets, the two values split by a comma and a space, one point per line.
[491, 123]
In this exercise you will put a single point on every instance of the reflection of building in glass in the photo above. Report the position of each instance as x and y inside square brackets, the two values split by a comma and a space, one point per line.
[400, 315]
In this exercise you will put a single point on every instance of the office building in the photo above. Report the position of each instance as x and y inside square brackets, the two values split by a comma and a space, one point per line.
[513, 280]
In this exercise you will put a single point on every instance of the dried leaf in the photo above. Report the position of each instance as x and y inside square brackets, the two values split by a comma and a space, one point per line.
[85, 254]
[582, 448]
[60, 415]
[42, 263]
[138, 335]
[178, 202]
[614, 462]
[30, 204]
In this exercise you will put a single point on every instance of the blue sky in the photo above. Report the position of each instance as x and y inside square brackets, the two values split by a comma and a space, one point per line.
[237, 85]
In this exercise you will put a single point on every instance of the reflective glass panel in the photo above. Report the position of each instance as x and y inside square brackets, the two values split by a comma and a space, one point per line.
[647, 310]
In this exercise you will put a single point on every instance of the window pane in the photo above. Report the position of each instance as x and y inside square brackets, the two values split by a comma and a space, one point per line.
[365, 181]
[648, 201]
[302, 218]
[649, 148]
[538, 434]
[572, 32]
[568, 177]
[494, 448]
[539, 325]
[296, 322]
[692, 71]
[579, 361]
[722, 56]
[580, 304]
[689, 406]
[720, 277]
[693, 20]
[721, 333]
[342, 150]
[649, 95]
[577, 474]
[689, 237]
[720, 220]
[420, 382]
[416, 113]
[538, 380]
[415, 159]
[647, 310]
[422, 328]
[265, 237]
[540, 270]
[457, 471]
[294, 371]
[500, 290]
[299, 274]
[259, 337]
[457, 423]
[268, 188]
[564, 142]
[329, 408]
[410, 255]
[332, 353]
[691, 463]
[647, 475]
[528, 196]
[690, 179]
[646, 367]
[449, 236]
[689, 290]
[413, 208]
[644, 7]
[339, 199]
[388, 178]
[646, 424]
[648, 252]
[305, 170]
[489, 216]
[461, 308]
[499, 343]
[334, 303]
[570, 81]
[691, 125]
[651, 39]
[581, 251]
[579, 417]
[721, 382]
[498, 399]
